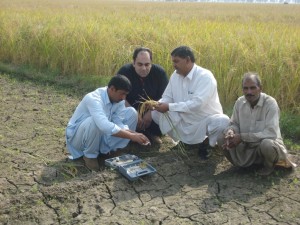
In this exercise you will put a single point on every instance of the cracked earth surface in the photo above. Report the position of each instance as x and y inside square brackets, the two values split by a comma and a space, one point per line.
[39, 185]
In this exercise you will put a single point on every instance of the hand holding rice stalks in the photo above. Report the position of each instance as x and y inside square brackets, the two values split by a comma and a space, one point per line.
[145, 105]
[149, 104]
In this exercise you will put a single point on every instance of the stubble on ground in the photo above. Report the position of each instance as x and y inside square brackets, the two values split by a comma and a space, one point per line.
[40, 185]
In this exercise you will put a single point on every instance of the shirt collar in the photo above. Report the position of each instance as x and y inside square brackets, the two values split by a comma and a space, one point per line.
[260, 101]
[106, 99]
[191, 73]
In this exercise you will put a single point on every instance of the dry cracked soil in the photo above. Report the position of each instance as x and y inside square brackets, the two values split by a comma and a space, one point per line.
[40, 185]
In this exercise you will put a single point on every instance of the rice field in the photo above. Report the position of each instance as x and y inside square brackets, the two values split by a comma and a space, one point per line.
[95, 38]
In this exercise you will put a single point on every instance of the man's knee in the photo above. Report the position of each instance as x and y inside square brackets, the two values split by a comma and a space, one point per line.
[218, 123]
[224, 122]
[86, 133]
[89, 127]
[155, 116]
[131, 117]
[268, 152]
[131, 113]
[266, 145]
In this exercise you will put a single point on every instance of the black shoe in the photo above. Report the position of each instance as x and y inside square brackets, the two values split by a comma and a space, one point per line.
[203, 149]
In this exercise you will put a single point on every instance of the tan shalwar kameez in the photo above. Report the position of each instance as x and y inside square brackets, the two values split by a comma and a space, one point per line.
[260, 133]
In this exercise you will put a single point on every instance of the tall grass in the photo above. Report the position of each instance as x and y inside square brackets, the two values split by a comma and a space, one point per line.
[95, 38]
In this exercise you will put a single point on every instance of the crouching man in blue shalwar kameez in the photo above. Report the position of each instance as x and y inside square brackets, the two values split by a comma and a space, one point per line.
[101, 123]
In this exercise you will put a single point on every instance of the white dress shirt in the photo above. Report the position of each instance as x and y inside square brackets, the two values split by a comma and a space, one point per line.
[193, 103]
[108, 117]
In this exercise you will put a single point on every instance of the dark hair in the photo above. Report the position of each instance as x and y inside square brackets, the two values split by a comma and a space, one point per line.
[183, 52]
[120, 82]
[141, 49]
[251, 75]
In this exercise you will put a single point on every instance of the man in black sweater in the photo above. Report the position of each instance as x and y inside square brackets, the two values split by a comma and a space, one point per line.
[148, 82]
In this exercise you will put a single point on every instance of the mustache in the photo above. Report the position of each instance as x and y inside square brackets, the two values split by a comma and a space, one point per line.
[249, 95]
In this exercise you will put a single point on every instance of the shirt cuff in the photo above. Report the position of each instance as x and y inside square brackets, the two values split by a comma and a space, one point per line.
[116, 129]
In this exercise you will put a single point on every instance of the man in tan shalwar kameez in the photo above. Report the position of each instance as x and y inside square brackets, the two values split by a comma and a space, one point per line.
[254, 136]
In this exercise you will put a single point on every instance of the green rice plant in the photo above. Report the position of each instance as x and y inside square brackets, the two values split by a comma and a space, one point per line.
[290, 125]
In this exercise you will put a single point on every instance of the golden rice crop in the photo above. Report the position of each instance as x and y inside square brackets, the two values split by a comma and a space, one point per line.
[95, 38]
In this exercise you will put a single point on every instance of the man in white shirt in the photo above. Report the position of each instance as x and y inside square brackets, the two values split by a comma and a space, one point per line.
[101, 123]
[192, 102]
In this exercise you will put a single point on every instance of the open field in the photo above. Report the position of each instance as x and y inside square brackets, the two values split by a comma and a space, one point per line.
[39, 185]
[92, 39]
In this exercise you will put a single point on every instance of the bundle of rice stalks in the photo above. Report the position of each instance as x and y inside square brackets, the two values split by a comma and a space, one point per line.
[180, 144]
[149, 104]
[145, 105]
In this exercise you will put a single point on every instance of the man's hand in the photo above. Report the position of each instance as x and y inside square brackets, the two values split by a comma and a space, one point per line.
[133, 136]
[162, 107]
[231, 140]
[140, 138]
